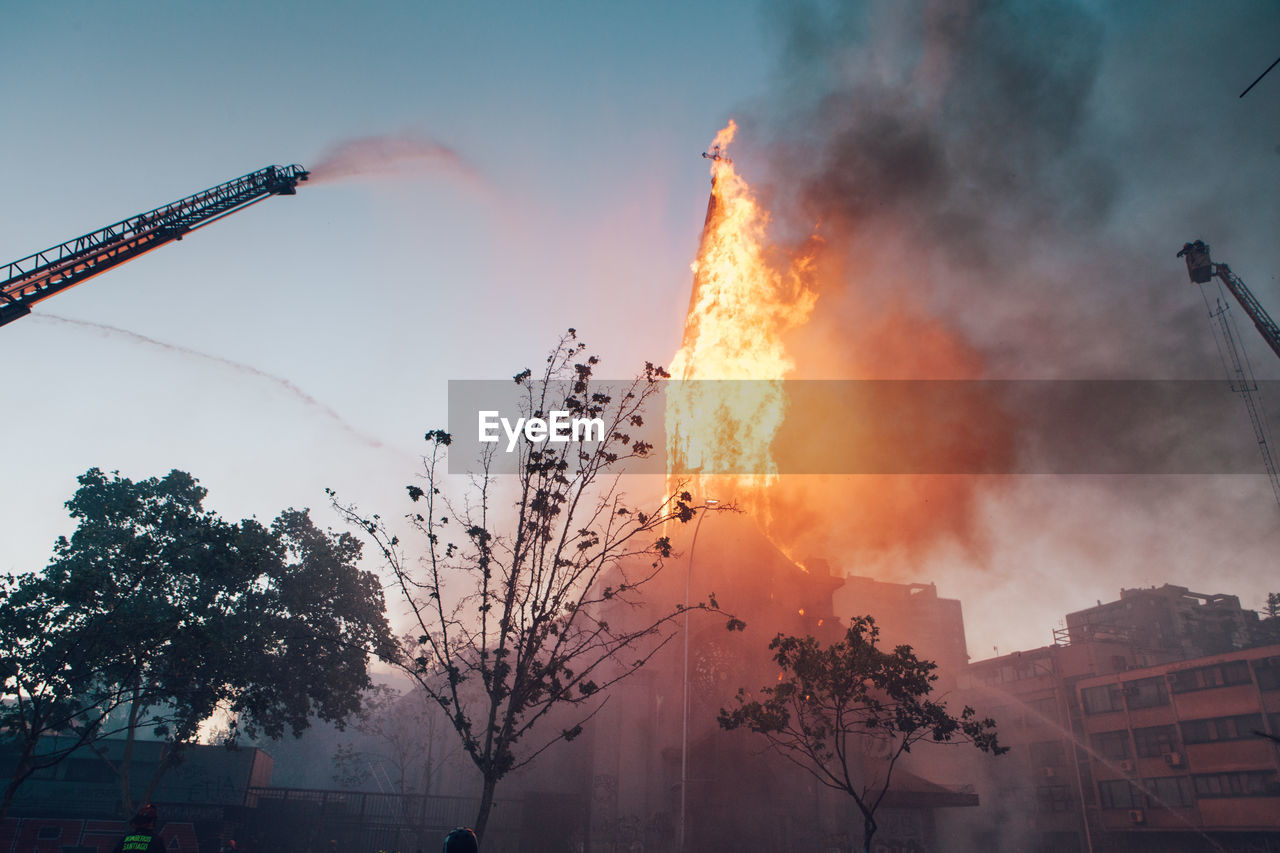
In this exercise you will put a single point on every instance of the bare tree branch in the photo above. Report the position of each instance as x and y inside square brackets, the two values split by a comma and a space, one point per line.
[515, 610]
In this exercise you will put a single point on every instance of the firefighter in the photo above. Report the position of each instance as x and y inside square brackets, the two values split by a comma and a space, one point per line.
[461, 840]
[143, 837]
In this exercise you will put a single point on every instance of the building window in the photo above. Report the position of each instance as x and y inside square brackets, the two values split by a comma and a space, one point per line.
[1048, 753]
[1147, 692]
[1100, 699]
[1087, 791]
[1169, 791]
[1154, 741]
[1207, 677]
[989, 676]
[1009, 672]
[1007, 716]
[1239, 727]
[1053, 798]
[1045, 710]
[1268, 672]
[1056, 842]
[1248, 783]
[1113, 746]
[1236, 672]
[1120, 794]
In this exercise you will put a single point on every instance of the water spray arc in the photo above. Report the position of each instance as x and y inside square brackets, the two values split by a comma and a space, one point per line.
[278, 381]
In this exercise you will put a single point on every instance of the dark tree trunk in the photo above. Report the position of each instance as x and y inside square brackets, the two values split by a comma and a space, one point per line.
[22, 770]
[486, 805]
[868, 830]
[168, 759]
[9, 791]
[429, 770]
[126, 797]
[20, 774]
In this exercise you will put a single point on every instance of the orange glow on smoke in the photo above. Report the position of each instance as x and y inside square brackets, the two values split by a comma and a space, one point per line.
[741, 307]
[875, 325]
[874, 322]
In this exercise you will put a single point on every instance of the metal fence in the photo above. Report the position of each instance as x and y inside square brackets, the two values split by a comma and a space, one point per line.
[302, 820]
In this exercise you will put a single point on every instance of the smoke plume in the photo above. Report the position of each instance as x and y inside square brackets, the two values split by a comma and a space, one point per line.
[1001, 193]
[279, 382]
[380, 156]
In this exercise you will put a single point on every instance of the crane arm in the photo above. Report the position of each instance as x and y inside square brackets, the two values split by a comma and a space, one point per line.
[32, 279]
[1202, 269]
[1266, 326]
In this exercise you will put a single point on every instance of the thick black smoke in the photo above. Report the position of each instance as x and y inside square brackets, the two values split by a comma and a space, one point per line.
[1027, 172]
[1003, 187]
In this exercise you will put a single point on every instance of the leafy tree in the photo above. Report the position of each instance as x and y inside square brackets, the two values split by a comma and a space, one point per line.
[52, 699]
[1266, 630]
[831, 702]
[171, 615]
[512, 610]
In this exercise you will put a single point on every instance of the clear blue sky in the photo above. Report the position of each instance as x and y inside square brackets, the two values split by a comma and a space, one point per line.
[586, 119]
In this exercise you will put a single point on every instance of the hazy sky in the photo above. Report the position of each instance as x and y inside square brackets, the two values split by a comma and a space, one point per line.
[1068, 143]
[586, 124]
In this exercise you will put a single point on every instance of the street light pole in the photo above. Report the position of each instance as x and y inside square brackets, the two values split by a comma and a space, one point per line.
[684, 728]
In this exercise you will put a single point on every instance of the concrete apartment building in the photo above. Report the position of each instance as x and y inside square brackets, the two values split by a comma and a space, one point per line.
[913, 614]
[1143, 728]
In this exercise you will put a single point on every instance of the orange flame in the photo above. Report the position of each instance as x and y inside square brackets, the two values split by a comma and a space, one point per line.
[740, 308]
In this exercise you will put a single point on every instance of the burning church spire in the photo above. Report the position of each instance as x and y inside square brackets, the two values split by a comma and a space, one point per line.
[721, 432]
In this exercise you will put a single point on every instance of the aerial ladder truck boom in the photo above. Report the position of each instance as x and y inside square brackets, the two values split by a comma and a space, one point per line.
[1203, 270]
[33, 279]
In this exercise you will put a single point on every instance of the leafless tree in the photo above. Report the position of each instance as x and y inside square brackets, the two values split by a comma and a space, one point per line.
[512, 605]
[405, 732]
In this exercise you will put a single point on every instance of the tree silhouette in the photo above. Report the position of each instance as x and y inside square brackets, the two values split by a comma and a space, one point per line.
[831, 702]
[512, 609]
[156, 614]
